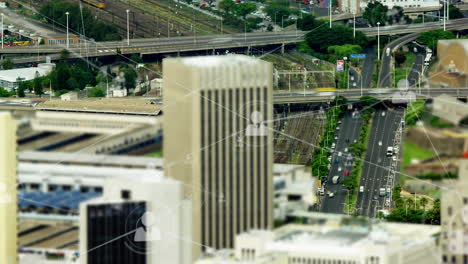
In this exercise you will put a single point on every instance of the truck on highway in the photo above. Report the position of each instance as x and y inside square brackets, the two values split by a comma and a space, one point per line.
[427, 60]
[335, 179]
[382, 191]
[388, 52]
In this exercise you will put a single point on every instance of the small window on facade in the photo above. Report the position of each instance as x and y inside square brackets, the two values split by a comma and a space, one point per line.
[125, 194]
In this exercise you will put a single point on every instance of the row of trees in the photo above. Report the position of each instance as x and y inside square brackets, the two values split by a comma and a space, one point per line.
[320, 161]
[80, 20]
[408, 210]
[376, 12]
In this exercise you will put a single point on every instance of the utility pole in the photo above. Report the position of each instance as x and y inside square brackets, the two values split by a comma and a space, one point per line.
[378, 41]
[354, 25]
[330, 5]
[68, 42]
[3, 31]
[128, 28]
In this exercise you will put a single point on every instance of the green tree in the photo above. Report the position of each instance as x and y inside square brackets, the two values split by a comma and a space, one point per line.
[335, 3]
[277, 11]
[64, 54]
[130, 76]
[454, 12]
[376, 12]
[340, 51]
[430, 38]
[400, 57]
[7, 64]
[97, 92]
[244, 9]
[270, 28]
[367, 101]
[227, 5]
[423, 202]
[136, 59]
[5, 93]
[324, 37]
[307, 22]
[20, 91]
[37, 82]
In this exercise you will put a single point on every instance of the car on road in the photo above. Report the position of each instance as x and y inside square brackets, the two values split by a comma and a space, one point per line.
[337, 128]
[355, 141]
[387, 202]
[346, 150]
[380, 143]
[329, 158]
[339, 122]
[361, 189]
[335, 179]
[383, 113]
[340, 154]
[331, 195]
[339, 169]
[382, 192]
[336, 137]
[394, 158]
[333, 146]
[389, 151]
[375, 197]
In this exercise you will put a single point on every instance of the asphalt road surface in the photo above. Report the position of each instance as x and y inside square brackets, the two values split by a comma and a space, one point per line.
[349, 129]
[385, 73]
[375, 170]
[416, 69]
[368, 67]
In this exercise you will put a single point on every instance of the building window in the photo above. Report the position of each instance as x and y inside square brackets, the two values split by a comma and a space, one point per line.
[454, 259]
[125, 194]
[449, 210]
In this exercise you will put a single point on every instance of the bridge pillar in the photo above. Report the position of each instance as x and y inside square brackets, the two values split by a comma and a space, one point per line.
[213, 51]
[282, 48]
[248, 50]
[178, 53]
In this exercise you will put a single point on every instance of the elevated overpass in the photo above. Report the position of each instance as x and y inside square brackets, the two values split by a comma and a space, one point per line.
[205, 43]
[355, 94]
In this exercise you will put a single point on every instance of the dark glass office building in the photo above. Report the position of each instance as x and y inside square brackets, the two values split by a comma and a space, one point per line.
[110, 233]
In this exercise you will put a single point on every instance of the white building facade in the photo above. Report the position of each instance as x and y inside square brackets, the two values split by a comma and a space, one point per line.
[334, 243]
[145, 218]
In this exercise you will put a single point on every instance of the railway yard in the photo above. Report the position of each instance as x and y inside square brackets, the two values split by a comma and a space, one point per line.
[152, 18]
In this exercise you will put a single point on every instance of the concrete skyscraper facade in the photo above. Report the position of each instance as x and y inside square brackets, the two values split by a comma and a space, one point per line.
[454, 218]
[216, 143]
[8, 200]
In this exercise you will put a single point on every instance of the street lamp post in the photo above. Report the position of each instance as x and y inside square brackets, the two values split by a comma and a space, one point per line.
[347, 72]
[2, 31]
[445, 13]
[378, 40]
[68, 41]
[330, 5]
[128, 28]
[354, 25]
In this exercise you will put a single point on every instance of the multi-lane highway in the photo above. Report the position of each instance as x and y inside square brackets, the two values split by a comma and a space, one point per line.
[348, 132]
[212, 42]
[385, 73]
[376, 166]
[355, 94]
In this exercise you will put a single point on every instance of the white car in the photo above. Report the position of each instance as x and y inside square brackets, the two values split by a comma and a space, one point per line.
[394, 158]
[361, 189]
[383, 113]
[380, 143]
[339, 168]
[346, 150]
[331, 195]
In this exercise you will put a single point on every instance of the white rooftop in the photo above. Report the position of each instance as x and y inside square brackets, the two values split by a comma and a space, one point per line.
[210, 61]
[24, 73]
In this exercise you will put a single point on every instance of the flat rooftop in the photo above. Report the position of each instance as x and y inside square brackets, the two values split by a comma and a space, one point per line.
[132, 104]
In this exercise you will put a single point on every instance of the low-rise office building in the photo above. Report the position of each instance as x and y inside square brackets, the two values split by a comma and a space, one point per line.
[9, 79]
[334, 239]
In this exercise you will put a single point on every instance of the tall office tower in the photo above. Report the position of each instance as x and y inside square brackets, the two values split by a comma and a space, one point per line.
[454, 218]
[140, 219]
[8, 199]
[218, 142]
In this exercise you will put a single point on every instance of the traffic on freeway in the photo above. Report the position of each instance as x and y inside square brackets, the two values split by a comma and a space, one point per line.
[381, 159]
[334, 193]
